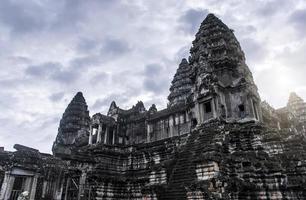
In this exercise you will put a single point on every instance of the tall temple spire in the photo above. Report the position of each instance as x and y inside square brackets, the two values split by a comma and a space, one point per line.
[181, 84]
[221, 73]
[216, 76]
[74, 122]
[297, 106]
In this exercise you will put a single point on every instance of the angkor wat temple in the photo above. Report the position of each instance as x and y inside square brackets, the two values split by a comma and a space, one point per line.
[215, 140]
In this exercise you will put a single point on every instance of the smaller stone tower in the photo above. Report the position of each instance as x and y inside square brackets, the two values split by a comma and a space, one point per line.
[181, 86]
[297, 106]
[74, 123]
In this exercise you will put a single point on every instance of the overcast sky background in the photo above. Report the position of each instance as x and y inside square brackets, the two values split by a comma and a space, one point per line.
[128, 51]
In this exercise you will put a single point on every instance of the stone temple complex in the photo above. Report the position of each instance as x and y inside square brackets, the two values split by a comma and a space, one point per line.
[215, 140]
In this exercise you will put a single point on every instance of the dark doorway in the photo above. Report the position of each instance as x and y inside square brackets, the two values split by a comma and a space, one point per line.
[18, 187]
[241, 108]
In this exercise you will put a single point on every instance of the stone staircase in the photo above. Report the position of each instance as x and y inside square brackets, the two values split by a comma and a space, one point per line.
[184, 172]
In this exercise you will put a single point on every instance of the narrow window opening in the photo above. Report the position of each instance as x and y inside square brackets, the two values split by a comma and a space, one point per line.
[223, 112]
[241, 108]
[207, 107]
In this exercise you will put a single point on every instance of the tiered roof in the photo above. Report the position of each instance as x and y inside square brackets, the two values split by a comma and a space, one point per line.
[181, 84]
[216, 49]
[75, 118]
[297, 106]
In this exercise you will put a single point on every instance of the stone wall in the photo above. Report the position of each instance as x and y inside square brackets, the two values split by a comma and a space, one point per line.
[215, 161]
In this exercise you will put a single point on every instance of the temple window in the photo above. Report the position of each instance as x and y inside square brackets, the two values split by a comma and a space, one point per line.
[19, 184]
[207, 107]
[208, 110]
[223, 112]
[241, 108]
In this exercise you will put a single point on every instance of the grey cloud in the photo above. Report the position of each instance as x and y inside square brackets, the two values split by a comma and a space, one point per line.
[11, 83]
[65, 76]
[20, 59]
[43, 70]
[71, 15]
[154, 80]
[50, 120]
[7, 101]
[191, 20]
[86, 45]
[152, 70]
[294, 59]
[155, 85]
[121, 78]
[183, 52]
[84, 62]
[52, 71]
[56, 96]
[114, 47]
[298, 19]
[254, 51]
[100, 78]
[245, 30]
[21, 17]
[106, 101]
[269, 8]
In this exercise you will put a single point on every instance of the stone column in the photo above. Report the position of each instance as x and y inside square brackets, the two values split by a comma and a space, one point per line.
[44, 188]
[148, 132]
[5, 185]
[198, 113]
[82, 185]
[99, 133]
[187, 116]
[171, 126]
[213, 105]
[67, 187]
[33, 188]
[57, 195]
[90, 136]
[105, 135]
[28, 184]
[114, 137]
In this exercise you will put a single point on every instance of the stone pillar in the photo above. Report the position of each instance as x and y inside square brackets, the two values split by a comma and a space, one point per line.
[5, 185]
[198, 113]
[99, 133]
[105, 135]
[114, 137]
[59, 187]
[187, 116]
[213, 105]
[171, 121]
[28, 184]
[82, 185]
[90, 136]
[33, 188]
[44, 188]
[67, 187]
[148, 132]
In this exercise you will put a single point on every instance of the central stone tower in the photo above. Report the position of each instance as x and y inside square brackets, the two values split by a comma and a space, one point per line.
[218, 82]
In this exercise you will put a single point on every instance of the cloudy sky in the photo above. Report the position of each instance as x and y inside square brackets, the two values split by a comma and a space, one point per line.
[128, 50]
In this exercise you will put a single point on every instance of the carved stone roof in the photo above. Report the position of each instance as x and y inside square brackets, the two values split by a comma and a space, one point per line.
[181, 84]
[75, 118]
